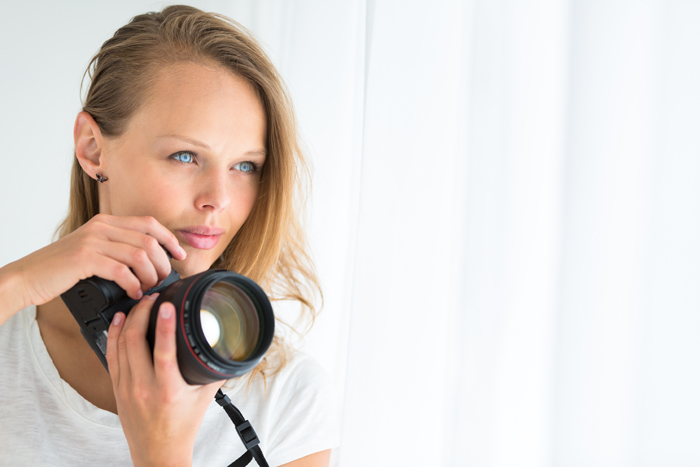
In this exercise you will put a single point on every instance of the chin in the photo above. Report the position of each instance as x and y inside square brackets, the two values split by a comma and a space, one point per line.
[190, 268]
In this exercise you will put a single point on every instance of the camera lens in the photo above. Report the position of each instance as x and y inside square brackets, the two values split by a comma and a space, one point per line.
[225, 324]
[229, 321]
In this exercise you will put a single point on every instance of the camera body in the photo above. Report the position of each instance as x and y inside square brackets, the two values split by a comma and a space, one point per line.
[237, 304]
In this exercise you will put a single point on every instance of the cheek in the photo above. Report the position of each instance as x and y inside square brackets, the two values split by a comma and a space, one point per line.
[244, 202]
[144, 195]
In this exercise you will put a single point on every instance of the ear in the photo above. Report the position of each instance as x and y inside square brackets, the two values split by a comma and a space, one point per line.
[89, 145]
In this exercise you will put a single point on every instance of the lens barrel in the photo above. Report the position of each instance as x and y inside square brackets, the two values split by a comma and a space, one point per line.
[225, 324]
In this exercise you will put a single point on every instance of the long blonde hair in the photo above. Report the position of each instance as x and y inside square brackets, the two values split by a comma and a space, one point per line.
[271, 246]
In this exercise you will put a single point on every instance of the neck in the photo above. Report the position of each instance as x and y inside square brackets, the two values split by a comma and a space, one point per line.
[56, 316]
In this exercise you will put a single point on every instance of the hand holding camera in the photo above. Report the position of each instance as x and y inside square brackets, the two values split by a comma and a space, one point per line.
[125, 250]
[160, 413]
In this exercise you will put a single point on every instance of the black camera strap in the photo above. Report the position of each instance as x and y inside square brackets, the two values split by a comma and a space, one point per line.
[245, 431]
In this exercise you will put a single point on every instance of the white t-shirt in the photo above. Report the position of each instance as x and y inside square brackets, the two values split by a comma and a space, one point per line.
[44, 421]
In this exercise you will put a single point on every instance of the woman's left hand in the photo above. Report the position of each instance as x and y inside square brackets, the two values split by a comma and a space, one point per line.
[160, 413]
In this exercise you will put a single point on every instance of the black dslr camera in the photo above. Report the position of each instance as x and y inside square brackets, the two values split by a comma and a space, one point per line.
[225, 322]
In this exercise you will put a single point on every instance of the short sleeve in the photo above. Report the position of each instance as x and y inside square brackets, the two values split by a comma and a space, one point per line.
[306, 416]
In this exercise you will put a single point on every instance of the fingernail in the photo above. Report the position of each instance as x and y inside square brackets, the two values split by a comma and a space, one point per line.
[165, 311]
[139, 294]
[182, 251]
[118, 318]
[153, 296]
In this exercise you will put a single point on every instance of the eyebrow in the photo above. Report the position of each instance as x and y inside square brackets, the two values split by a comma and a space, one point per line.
[196, 142]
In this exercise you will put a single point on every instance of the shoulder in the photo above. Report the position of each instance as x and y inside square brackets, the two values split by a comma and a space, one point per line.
[299, 411]
[15, 328]
[301, 371]
[299, 388]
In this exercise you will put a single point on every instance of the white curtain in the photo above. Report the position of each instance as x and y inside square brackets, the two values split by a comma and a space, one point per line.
[506, 221]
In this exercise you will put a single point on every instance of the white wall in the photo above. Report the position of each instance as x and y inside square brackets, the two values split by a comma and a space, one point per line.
[45, 49]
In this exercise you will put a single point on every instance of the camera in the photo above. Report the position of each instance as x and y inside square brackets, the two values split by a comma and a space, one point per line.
[225, 322]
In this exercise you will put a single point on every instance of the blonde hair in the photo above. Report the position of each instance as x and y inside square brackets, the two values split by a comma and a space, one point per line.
[271, 246]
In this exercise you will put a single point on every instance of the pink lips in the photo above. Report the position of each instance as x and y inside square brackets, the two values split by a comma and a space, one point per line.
[201, 237]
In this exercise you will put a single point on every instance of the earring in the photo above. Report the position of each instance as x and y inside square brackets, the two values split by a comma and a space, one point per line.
[100, 178]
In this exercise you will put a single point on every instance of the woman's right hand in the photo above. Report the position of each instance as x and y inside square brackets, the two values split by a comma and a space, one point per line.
[125, 250]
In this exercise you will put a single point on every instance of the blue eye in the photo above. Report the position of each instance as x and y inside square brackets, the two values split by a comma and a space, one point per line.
[246, 167]
[184, 157]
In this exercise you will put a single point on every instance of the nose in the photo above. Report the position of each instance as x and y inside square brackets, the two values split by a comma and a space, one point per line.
[213, 191]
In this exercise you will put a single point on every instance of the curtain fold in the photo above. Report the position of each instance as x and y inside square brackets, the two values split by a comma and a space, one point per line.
[506, 218]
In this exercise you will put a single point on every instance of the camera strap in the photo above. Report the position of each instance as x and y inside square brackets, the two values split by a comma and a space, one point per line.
[245, 431]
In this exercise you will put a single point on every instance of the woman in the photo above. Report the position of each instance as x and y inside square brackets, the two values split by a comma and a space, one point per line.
[186, 140]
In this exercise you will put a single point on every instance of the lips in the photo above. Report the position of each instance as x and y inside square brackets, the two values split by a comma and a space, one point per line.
[201, 237]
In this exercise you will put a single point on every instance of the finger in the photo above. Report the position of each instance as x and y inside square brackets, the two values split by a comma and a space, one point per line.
[114, 270]
[138, 250]
[165, 348]
[155, 255]
[122, 358]
[134, 335]
[148, 270]
[150, 226]
[112, 350]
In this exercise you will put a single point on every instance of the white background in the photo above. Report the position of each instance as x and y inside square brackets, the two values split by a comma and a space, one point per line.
[505, 215]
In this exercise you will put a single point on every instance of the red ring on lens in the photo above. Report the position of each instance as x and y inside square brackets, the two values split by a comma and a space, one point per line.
[187, 341]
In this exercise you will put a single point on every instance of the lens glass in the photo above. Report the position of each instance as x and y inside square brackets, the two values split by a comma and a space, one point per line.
[210, 327]
[229, 321]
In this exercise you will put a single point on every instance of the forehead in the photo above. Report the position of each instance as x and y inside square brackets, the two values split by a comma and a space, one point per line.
[206, 102]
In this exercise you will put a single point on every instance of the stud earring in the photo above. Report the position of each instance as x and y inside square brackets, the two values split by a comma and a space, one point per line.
[100, 178]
